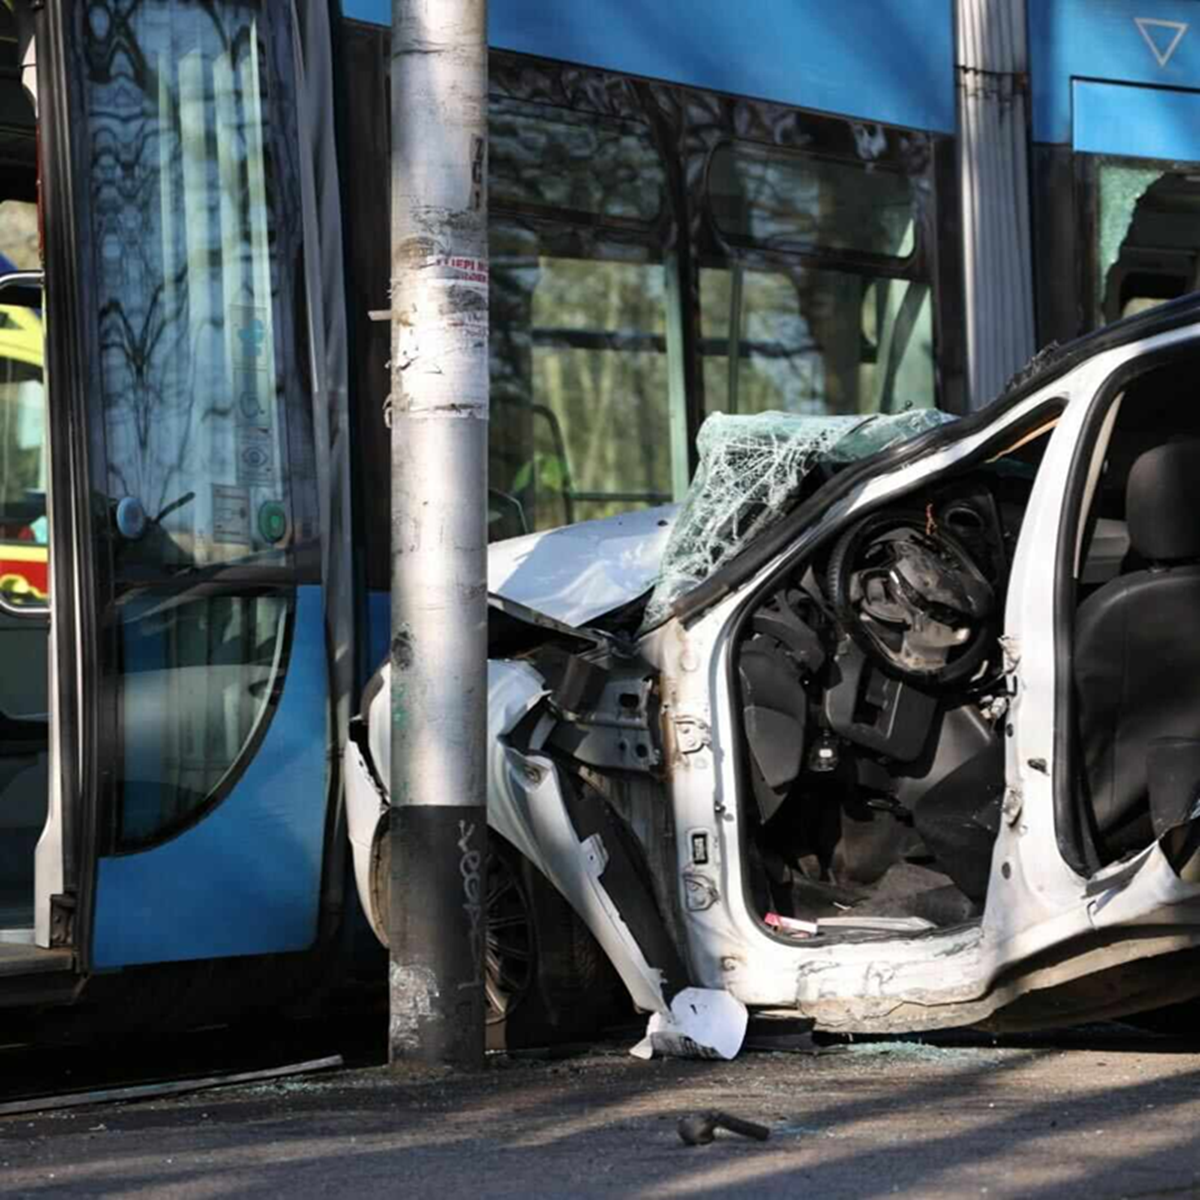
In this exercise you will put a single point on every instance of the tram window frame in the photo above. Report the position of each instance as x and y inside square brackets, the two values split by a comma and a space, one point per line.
[686, 124]
[692, 128]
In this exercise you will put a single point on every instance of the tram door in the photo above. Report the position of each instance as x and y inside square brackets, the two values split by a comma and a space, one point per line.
[180, 393]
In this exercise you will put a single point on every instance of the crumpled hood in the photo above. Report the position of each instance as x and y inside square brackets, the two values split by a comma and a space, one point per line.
[580, 572]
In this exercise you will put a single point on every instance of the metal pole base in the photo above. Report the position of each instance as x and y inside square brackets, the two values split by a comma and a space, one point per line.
[439, 854]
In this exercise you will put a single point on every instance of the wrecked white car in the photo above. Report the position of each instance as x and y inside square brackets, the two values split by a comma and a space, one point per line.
[893, 725]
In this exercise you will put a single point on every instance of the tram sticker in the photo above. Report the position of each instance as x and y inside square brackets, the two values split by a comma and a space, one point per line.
[248, 395]
[250, 330]
[252, 372]
[255, 456]
[1163, 37]
[230, 514]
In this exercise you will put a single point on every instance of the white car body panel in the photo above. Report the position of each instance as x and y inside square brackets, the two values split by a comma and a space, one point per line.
[525, 807]
[1035, 901]
[580, 572]
[574, 575]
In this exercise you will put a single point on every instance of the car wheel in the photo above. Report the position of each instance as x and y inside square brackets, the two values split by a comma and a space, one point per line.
[547, 980]
[511, 952]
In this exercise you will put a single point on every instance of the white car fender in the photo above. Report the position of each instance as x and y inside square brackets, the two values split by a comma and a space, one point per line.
[525, 806]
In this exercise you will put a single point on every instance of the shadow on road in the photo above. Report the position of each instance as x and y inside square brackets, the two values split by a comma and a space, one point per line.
[1095, 1113]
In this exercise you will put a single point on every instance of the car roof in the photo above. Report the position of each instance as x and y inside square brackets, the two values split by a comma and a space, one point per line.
[1057, 359]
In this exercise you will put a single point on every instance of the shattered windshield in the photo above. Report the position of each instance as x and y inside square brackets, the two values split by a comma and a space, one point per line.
[749, 472]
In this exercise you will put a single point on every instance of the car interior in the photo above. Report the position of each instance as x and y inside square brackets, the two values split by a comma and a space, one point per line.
[873, 698]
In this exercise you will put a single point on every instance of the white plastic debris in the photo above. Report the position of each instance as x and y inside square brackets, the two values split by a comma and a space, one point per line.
[702, 1023]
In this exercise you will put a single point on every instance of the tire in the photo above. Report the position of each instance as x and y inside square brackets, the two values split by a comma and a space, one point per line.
[548, 980]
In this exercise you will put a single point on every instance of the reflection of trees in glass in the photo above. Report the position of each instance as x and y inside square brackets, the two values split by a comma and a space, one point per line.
[780, 366]
[578, 362]
[777, 199]
[815, 341]
[193, 228]
[589, 358]
[186, 237]
[599, 363]
[551, 158]
[808, 339]
[805, 236]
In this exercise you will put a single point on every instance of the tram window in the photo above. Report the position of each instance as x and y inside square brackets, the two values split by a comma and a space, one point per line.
[201, 401]
[550, 157]
[23, 468]
[781, 200]
[1146, 247]
[578, 317]
[586, 364]
[814, 341]
[800, 316]
[24, 534]
[197, 684]
[801, 254]
[193, 292]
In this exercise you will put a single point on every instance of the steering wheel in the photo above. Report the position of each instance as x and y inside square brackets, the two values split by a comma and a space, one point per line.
[909, 594]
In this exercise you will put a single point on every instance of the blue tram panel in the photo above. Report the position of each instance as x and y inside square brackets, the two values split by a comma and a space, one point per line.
[1113, 118]
[246, 879]
[1127, 41]
[882, 60]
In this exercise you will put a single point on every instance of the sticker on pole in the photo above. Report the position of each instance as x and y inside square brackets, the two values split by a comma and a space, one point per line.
[440, 359]
[702, 1023]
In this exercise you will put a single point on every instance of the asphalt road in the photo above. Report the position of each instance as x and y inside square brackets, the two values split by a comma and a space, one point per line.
[1098, 1114]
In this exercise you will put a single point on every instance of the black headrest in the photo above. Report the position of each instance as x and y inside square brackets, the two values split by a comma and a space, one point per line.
[1162, 502]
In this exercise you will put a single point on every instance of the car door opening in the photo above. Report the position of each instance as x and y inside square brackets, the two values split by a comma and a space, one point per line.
[870, 682]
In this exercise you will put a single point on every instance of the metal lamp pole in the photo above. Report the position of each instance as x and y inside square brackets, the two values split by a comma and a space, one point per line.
[439, 426]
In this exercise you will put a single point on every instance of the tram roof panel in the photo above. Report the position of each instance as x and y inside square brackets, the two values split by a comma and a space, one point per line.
[880, 60]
